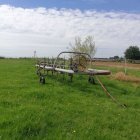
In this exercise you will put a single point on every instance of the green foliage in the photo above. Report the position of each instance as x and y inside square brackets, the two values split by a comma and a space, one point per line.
[2, 57]
[86, 46]
[63, 110]
[133, 52]
[116, 57]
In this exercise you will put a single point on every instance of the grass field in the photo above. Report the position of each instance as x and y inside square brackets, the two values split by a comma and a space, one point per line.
[63, 110]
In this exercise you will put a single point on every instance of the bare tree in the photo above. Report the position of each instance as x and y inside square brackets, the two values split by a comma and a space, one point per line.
[86, 46]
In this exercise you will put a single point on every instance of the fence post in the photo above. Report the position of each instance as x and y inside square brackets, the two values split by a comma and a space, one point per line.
[125, 65]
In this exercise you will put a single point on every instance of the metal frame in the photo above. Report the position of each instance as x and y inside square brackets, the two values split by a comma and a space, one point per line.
[54, 68]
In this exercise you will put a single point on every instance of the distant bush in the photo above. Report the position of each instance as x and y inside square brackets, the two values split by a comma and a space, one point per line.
[116, 58]
[2, 57]
[25, 58]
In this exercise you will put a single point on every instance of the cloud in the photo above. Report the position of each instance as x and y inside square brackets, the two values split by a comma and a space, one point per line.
[49, 31]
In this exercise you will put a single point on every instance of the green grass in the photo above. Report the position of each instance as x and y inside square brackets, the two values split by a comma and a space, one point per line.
[63, 110]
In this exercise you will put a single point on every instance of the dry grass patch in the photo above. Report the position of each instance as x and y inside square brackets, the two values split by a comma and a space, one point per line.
[121, 76]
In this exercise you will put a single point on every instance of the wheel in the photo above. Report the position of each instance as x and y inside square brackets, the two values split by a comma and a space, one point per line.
[71, 77]
[79, 63]
[42, 80]
[38, 73]
[91, 80]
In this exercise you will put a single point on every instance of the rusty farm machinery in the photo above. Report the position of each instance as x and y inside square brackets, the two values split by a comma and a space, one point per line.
[72, 63]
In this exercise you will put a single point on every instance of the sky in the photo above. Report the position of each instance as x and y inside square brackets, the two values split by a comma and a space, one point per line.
[49, 26]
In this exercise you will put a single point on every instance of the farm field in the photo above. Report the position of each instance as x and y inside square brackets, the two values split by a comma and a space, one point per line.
[118, 64]
[64, 110]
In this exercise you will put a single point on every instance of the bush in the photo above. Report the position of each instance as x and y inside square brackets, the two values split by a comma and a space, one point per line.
[2, 57]
[133, 52]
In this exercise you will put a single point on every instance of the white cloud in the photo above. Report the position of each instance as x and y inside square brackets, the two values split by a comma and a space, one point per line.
[50, 30]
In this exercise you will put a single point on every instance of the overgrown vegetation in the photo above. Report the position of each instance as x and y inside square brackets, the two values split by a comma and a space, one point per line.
[63, 110]
[86, 46]
[121, 76]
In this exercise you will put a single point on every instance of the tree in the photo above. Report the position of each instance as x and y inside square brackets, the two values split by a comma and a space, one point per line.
[116, 57]
[133, 52]
[2, 57]
[86, 46]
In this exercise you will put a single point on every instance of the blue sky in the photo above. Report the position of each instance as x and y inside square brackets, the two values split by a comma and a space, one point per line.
[107, 5]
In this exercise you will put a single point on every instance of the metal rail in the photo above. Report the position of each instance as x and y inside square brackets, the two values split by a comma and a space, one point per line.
[70, 52]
